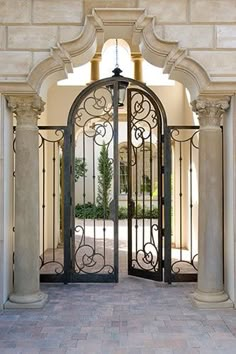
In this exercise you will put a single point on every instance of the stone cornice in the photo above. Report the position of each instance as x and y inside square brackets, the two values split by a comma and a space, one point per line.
[210, 110]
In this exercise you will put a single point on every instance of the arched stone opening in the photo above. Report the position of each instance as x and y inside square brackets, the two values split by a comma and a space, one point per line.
[168, 55]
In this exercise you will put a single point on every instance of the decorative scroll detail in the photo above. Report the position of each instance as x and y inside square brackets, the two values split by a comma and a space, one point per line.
[53, 264]
[58, 138]
[193, 139]
[147, 258]
[94, 116]
[97, 105]
[87, 260]
[144, 118]
[176, 266]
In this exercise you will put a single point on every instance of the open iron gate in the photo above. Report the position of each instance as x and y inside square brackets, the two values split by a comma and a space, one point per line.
[82, 254]
[94, 116]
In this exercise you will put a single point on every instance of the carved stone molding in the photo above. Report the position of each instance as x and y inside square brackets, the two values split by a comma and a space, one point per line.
[211, 110]
[139, 30]
[26, 108]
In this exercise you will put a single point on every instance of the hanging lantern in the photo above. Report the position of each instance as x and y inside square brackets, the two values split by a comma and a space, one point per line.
[122, 85]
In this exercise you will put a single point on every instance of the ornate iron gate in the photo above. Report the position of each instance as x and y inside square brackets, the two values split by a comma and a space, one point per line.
[162, 162]
[146, 123]
[91, 247]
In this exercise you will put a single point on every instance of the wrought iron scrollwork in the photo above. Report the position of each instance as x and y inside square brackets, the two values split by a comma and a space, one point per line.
[57, 266]
[87, 260]
[147, 258]
[144, 118]
[176, 265]
[193, 138]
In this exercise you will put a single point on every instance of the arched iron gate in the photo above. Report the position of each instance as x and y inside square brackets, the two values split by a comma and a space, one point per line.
[157, 170]
[92, 256]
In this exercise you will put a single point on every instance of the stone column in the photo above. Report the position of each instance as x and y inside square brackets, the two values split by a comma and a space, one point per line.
[95, 72]
[210, 288]
[26, 292]
[138, 70]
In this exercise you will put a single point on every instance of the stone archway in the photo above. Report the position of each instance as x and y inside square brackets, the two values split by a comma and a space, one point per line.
[138, 28]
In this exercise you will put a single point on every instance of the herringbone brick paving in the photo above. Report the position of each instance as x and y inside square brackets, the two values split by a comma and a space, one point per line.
[135, 316]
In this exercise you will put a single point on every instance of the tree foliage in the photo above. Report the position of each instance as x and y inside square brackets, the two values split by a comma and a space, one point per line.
[104, 179]
[80, 168]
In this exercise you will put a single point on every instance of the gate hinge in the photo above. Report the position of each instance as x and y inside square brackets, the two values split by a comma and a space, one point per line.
[13, 257]
[162, 200]
[162, 232]
[162, 169]
[162, 138]
[163, 263]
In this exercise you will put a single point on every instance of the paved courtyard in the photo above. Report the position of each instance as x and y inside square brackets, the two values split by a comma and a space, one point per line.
[135, 316]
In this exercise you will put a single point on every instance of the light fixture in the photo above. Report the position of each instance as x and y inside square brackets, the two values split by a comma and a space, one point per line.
[122, 85]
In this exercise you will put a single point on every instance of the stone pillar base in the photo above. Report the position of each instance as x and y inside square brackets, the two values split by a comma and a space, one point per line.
[211, 300]
[33, 301]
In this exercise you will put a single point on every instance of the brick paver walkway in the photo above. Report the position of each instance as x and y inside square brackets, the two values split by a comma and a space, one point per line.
[135, 316]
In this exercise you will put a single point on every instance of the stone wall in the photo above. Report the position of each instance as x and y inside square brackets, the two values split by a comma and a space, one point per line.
[29, 29]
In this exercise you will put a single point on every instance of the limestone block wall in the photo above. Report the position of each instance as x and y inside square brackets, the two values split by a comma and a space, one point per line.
[29, 29]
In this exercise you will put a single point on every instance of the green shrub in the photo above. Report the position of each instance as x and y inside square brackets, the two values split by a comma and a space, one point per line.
[91, 211]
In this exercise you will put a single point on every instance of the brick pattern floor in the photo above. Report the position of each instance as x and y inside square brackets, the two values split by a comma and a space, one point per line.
[135, 316]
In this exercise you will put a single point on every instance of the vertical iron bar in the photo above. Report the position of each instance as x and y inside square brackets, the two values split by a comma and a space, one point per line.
[84, 186]
[116, 178]
[191, 198]
[180, 199]
[104, 222]
[130, 216]
[136, 201]
[160, 148]
[167, 205]
[72, 198]
[151, 160]
[94, 198]
[43, 206]
[67, 206]
[54, 201]
[144, 186]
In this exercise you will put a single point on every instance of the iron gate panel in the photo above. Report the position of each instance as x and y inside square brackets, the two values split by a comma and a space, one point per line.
[145, 180]
[183, 248]
[91, 245]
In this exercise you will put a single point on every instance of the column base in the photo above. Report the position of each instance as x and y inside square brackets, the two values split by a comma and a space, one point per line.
[34, 301]
[211, 300]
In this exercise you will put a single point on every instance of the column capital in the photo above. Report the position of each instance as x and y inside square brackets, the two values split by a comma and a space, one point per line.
[210, 110]
[97, 57]
[136, 56]
[26, 108]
